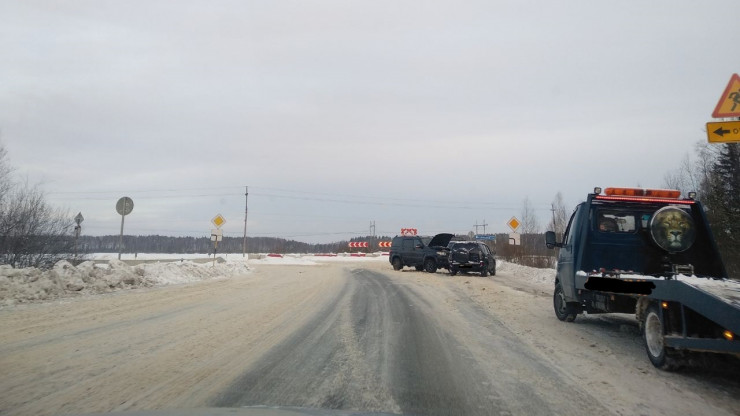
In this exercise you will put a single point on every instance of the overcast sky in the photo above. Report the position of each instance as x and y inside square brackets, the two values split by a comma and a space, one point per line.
[425, 114]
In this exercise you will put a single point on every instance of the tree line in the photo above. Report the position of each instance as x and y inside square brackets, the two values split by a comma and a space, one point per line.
[192, 245]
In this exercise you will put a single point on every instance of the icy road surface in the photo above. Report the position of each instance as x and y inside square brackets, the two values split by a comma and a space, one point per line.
[340, 335]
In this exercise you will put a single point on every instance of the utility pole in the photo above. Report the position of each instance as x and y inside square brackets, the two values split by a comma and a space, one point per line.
[476, 225]
[372, 235]
[554, 225]
[246, 210]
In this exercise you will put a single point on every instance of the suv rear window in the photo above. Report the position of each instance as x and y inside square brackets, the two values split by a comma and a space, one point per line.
[464, 245]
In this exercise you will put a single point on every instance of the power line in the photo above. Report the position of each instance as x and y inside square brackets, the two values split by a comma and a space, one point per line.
[347, 198]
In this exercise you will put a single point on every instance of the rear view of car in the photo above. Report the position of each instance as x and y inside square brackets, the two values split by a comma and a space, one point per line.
[471, 256]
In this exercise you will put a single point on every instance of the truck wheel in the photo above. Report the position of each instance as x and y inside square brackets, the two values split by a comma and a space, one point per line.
[419, 268]
[563, 311]
[430, 265]
[653, 330]
[484, 272]
[397, 265]
[493, 271]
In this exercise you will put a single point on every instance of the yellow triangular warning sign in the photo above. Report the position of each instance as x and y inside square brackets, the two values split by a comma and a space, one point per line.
[729, 104]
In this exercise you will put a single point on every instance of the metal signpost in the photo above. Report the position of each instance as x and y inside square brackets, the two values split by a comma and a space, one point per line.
[217, 234]
[124, 206]
[514, 237]
[78, 229]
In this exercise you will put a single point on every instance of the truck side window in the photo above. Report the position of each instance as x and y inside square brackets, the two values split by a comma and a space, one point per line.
[408, 244]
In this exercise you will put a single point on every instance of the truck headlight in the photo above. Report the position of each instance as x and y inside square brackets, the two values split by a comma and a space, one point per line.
[442, 253]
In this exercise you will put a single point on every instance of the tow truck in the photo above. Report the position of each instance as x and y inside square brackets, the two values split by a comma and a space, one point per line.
[651, 253]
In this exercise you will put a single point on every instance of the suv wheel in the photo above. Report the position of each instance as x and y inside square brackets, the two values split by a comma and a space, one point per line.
[397, 264]
[430, 265]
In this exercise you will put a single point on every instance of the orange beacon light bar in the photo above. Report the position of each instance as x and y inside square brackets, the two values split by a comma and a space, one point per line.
[644, 195]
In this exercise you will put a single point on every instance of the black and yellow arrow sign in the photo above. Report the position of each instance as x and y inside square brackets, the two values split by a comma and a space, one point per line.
[723, 132]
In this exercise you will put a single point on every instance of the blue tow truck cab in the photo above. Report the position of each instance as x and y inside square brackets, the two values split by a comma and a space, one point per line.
[645, 251]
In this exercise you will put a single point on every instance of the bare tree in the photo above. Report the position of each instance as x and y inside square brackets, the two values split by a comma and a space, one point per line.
[32, 233]
[560, 215]
[6, 170]
[530, 224]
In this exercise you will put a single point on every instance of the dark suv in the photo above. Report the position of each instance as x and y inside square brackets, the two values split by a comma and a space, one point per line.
[423, 253]
[471, 256]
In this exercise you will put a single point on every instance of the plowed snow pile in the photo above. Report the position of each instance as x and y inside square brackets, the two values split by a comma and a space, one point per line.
[540, 278]
[64, 279]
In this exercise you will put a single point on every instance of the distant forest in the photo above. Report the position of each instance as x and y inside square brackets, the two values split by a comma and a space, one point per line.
[532, 250]
[186, 245]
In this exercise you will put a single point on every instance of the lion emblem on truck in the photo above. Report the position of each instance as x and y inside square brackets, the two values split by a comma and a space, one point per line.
[672, 229]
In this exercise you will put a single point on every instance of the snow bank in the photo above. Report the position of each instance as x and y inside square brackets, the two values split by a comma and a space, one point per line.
[541, 278]
[65, 280]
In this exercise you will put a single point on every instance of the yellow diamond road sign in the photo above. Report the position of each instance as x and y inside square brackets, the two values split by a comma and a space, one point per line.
[218, 220]
[513, 223]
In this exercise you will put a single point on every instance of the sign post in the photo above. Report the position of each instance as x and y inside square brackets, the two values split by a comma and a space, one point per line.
[124, 206]
[217, 234]
[78, 229]
[514, 237]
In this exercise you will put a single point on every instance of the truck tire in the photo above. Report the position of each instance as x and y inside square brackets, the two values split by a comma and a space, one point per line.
[430, 265]
[484, 272]
[653, 330]
[563, 311]
[397, 265]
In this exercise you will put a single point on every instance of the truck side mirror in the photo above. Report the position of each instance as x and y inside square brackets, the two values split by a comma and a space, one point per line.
[418, 246]
[550, 240]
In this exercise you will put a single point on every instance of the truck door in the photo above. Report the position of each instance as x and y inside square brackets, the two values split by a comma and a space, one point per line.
[567, 257]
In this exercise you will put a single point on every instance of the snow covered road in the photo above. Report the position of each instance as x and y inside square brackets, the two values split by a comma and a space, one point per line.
[340, 335]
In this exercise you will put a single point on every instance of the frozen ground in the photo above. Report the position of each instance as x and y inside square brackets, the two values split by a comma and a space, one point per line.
[337, 334]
